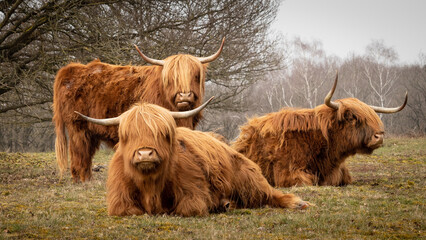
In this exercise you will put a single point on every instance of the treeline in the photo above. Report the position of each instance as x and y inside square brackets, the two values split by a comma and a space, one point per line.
[256, 73]
[375, 77]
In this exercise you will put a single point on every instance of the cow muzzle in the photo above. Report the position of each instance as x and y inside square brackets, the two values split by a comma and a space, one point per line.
[146, 159]
[184, 101]
[376, 141]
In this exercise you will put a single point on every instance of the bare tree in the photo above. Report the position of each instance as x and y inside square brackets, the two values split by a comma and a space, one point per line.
[352, 79]
[280, 95]
[309, 70]
[380, 72]
[37, 37]
[413, 121]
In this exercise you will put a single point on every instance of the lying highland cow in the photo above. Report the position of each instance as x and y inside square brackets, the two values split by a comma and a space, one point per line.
[309, 146]
[102, 90]
[160, 168]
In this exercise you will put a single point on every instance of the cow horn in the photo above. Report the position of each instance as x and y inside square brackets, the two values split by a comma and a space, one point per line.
[150, 60]
[103, 122]
[327, 99]
[214, 56]
[116, 120]
[192, 112]
[391, 110]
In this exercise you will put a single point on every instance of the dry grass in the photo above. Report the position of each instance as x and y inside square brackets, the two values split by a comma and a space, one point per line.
[386, 201]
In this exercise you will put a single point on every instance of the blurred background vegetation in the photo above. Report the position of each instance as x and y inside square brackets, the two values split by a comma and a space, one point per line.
[258, 72]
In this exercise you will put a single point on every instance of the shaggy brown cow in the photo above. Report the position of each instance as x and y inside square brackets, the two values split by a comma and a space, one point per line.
[102, 90]
[160, 168]
[309, 146]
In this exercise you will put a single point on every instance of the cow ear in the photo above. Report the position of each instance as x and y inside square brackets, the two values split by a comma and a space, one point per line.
[350, 117]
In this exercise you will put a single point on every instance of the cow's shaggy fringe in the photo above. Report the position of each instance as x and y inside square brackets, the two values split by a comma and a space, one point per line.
[183, 67]
[309, 146]
[197, 171]
[102, 90]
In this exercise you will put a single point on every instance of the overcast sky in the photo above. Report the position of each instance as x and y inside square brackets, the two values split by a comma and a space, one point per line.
[345, 26]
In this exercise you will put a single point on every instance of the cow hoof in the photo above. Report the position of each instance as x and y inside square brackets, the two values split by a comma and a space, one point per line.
[98, 168]
[303, 205]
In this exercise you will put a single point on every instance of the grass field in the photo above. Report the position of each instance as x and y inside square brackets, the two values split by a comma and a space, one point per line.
[386, 201]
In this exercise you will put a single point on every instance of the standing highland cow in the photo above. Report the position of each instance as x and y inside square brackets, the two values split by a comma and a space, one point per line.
[309, 146]
[102, 90]
[160, 168]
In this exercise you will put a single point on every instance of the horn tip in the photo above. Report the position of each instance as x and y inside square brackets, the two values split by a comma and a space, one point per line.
[406, 98]
[405, 102]
[207, 102]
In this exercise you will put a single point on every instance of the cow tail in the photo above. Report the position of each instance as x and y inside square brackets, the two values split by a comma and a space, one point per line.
[61, 146]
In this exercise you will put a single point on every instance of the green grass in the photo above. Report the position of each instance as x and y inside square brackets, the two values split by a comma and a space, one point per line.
[386, 201]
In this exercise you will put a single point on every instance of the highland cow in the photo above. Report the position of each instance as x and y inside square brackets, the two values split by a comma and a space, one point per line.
[159, 168]
[102, 90]
[296, 147]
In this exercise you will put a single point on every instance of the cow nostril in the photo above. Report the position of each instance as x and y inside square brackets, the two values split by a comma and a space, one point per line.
[145, 153]
[378, 137]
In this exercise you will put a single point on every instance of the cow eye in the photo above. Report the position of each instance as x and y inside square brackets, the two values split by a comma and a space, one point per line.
[168, 137]
[350, 117]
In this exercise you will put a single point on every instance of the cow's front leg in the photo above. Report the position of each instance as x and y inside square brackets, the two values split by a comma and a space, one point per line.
[339, 176]
[285, 178]
[345, 175]
[191, 206]
[122, 194]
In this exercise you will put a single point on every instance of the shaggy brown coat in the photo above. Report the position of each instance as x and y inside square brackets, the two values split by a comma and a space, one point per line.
[102, 90]
[309, 146]
[195, 173]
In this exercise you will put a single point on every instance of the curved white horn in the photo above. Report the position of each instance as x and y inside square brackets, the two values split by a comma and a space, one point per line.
[214, 56]
[116, 120]
[103, 122]
[149, 60]
[327, 99]
[391, 110]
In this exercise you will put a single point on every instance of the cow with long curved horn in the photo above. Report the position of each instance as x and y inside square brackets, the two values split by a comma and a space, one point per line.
[159, 168]
[103, 90]
[309, 146]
